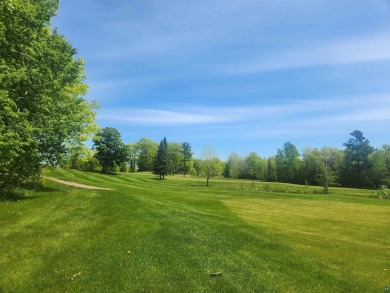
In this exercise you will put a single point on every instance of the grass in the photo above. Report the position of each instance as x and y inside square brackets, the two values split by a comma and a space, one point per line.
[149, 235]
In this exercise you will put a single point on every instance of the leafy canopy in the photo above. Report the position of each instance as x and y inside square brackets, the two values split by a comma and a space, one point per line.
[110, 150]
[41, 90]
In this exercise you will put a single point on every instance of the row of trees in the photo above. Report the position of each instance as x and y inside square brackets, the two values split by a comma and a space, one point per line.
[111, 154]
[144, 155]
[358, 165]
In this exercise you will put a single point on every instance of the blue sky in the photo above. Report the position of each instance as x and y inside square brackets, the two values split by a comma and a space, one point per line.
[241, 75]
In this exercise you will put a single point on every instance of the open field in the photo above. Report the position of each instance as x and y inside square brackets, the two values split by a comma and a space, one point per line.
[168, 236]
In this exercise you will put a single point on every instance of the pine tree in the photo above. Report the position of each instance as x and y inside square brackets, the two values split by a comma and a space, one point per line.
[357, 153]
[161, 164]
[187, 155]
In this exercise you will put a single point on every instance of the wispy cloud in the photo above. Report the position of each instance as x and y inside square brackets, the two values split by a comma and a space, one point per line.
[153, 117]
[345, 51]
[300, 113]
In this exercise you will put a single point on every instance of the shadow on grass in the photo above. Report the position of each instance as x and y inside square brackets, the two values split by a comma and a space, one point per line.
[100, 172]
[14, 195]
[24, 193]
[158, 179]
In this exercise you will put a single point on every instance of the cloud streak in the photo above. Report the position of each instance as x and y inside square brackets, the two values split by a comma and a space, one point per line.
[336, 52]
[301, 113]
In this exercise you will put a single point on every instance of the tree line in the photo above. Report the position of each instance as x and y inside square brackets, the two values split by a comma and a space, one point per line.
[111, 154]
[357, 165]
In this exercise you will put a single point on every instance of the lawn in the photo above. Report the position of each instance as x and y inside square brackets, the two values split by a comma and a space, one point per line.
[150, 235]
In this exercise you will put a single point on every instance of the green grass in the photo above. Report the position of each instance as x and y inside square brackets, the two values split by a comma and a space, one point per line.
[149, 235]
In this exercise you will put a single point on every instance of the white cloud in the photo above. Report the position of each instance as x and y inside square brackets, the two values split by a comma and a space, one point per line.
[154, 117]
[297, 114]
[345, 51]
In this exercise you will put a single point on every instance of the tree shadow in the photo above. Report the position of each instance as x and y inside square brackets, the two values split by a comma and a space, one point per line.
[158, 179]
[101, 172]
[25, 193]
[12, 195]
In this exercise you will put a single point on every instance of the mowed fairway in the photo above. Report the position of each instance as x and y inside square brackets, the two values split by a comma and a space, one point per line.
[151, 235]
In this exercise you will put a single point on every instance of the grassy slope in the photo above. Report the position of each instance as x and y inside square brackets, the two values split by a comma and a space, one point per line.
[152, 235]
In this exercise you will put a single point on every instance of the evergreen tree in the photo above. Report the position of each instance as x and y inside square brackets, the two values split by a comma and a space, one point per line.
[187, 155]
[357, 161]
[161, 164]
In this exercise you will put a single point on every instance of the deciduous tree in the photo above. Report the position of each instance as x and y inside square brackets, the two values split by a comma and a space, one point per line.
[271, 170]
[175, 155]
[211, 165]
[233, 166]
[253, 167]
[133, 156]
[287, 163]
[110, 150]
[147, 151]
[42, 83]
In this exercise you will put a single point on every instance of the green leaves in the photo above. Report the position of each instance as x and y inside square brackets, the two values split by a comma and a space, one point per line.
[110, 150]
[287, 163]
[20, 159]
[41, 76]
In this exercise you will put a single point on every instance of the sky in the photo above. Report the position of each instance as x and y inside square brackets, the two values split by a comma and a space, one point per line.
[244, 76]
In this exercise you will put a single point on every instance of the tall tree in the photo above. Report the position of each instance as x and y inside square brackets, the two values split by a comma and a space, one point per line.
[147, 151]
[175, 155]
[211, 165]
[133, 156]
[253, 167]
[312, 165]
[287, 163]
[187, 155]
[233, 166]
[380, 171]
[357, 153]
[271, 170]
[43, 84]
[322, 167]
[161, 165]
[110, 150]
